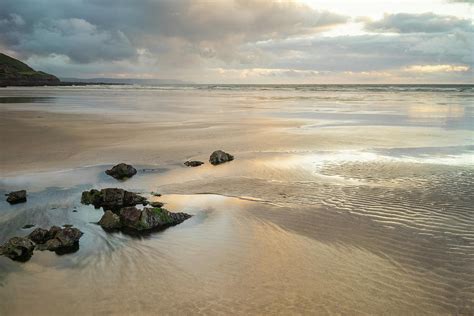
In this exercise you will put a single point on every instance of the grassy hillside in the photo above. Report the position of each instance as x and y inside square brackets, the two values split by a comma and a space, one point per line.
[16, 73]
[14, 63]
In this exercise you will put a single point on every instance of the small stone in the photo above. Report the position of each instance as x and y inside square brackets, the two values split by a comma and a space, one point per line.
[16, 197]
[219, 157]
[156, 204]
[121, 171]
[110, 221]
[27, 226]
[193, 163]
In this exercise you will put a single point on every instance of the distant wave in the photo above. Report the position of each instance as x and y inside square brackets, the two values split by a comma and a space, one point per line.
[464, 88]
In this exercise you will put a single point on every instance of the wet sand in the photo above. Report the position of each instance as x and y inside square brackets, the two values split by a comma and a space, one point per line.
[42, 141]
[338, 202]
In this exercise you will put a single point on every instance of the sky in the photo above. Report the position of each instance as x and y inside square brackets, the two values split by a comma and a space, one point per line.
[245, 41]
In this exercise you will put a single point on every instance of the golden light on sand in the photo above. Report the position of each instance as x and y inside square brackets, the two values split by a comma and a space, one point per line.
[433, 111]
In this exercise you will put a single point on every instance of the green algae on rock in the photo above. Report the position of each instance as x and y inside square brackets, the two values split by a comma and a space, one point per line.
[147, 219]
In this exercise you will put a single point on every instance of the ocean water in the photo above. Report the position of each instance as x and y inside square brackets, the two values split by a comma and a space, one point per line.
[342, 199]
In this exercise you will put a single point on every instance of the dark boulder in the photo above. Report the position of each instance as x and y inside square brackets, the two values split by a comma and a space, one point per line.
[110, 221]
[149, 218]
[28, 226]
[39, 236]
[130, 217]
[16, 197]
[68, 237]
[193, 163]
[121, 171]
[61, 240]
[57, 239]
[18, 249]
[112, 198]
[219, 157]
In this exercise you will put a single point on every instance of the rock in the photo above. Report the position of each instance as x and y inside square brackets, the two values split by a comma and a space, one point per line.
[122, 171]
[50, 245]
[16, 197]
[193, 163]
[110, 221]
[219, 157]
[112, 198]
[61, 240]
[68, 237]
[39, 236]
[155, 194]
[53, 231]
[67, 225]
[57, 239]
[130, 217]
[156, 204]
[93, 197]
[149, 218]
[27, 226]
[18, 249]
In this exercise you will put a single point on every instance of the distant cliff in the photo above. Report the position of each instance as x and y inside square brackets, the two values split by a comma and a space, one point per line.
[15, 73]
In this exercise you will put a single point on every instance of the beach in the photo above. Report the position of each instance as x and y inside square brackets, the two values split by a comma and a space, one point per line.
[341, 199]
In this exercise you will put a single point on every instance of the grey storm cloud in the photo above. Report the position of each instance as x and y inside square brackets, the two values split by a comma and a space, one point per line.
[371, 52]
[418, 23]
[187, 38]
[91, 30]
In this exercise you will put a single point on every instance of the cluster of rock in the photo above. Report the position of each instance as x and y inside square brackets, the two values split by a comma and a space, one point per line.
[57, 239]
[120, 213]
[216, 158]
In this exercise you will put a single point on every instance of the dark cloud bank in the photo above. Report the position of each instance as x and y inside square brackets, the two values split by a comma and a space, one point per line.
[173, 35]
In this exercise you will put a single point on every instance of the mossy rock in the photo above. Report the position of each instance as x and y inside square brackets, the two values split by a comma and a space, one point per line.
[163, 214]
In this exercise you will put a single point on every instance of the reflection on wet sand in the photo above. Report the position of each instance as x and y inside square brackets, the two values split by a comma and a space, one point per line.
[239, 261]
[310, 240]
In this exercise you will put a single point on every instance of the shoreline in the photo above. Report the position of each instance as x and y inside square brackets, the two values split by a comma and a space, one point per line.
[64, 84]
